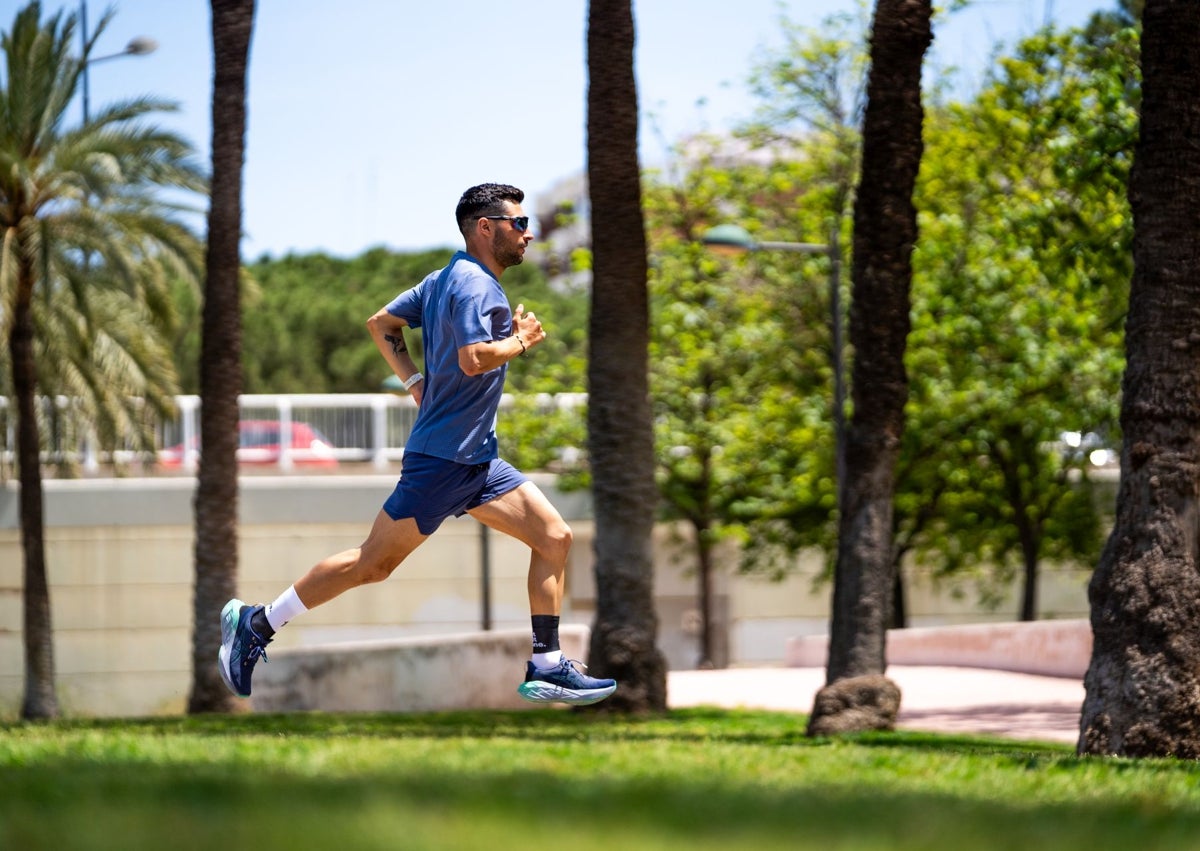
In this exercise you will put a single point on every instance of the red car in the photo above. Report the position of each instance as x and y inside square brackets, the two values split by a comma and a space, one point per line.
[258, 444]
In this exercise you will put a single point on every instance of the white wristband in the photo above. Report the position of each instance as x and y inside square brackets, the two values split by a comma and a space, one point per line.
[413, 379]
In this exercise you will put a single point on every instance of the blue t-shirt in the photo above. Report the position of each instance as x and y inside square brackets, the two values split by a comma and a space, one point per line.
[457, 306]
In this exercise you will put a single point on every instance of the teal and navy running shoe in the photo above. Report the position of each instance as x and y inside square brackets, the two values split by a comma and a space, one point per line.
[563, 683]
[241, 646]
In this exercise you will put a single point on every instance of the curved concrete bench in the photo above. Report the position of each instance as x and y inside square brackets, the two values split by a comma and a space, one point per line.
[478, 670]
[1060, 648]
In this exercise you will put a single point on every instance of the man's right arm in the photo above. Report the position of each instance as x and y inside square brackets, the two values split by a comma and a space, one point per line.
[387, 331]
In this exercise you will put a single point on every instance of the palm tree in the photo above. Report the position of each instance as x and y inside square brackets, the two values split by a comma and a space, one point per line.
[1143, 683]
[216, 552]
[87, 250]
[620, 429]
[885, 231]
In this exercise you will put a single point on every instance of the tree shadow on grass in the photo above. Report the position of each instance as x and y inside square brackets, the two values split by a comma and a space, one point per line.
[704, 724]
[90, 805]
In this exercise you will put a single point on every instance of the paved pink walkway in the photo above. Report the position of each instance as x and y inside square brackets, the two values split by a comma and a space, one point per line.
[953, 700]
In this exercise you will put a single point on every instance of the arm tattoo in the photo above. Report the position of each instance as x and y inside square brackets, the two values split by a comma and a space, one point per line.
[397, 342]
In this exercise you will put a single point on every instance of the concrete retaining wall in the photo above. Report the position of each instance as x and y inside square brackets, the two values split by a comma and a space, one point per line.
[467, 671]
[1050, 648]
[120, 561]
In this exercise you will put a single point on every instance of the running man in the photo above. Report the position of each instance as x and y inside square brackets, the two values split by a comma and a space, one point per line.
[451, 463]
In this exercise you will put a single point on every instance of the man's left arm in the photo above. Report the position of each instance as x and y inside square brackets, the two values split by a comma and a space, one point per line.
[478, 358]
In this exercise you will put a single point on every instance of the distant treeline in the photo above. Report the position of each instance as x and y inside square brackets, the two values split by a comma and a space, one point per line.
[304, 323]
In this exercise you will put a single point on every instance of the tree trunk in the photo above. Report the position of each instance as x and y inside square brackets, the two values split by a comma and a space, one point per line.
[899, 618]
[702, 527]
[1143, 683]
[885, 230]
[1029, 581]
[704, 573]
[41, 700]
[216, 554]
[620, 429]
[1029, 532]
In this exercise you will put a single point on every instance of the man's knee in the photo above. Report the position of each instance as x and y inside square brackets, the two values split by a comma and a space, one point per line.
[388, 545]
[559, 538]
[370, 570]
[374, 573]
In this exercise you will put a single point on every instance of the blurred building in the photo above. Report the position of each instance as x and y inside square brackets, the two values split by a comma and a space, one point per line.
[564, 230]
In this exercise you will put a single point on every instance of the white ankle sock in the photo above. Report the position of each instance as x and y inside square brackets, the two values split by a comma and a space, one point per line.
[546, 660]
[285, 608]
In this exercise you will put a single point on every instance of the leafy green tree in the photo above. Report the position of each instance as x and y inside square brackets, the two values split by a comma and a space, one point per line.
[811, 96]
[739, 376]
[1072, 101]
[699, 386]
[1020, 285]
[741, 364]
[88, 249]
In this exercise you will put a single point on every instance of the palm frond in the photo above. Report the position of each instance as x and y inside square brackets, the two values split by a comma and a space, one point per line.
[95, 232]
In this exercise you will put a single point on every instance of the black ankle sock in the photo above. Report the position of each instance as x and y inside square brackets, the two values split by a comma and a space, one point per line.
[260, 624]
[545, 633]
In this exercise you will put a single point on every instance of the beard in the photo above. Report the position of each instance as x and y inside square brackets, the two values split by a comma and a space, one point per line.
[507, 255]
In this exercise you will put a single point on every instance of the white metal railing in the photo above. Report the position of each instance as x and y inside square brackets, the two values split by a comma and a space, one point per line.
[361, 427]
[283, 431]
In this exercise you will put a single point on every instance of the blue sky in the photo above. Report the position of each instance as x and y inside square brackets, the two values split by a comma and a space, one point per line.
[367, 118]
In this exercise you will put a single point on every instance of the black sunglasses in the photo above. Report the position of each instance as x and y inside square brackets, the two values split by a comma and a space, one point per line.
[519, 223]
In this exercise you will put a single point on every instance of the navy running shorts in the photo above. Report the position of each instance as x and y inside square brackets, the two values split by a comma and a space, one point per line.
[432, 489]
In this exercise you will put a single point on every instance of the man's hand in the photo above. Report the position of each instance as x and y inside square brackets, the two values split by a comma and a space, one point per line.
[528, 326]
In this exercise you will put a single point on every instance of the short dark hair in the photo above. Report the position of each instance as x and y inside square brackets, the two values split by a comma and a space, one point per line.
[486, 199]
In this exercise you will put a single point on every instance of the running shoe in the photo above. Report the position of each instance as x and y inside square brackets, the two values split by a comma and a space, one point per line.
[563, 683]
[241, 647]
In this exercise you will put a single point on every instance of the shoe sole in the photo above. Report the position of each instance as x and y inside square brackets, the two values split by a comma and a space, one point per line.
[537, 691]
[229, 621]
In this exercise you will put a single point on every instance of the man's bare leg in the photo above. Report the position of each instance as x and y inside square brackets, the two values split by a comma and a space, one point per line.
[246, 630]
[528, 516]
[389, 543]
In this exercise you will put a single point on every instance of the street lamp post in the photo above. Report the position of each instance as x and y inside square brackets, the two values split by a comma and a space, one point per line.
[138, 46]
[733, 239]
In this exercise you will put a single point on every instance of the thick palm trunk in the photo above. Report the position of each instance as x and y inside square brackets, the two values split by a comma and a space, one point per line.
[620, 429]
[885, 231]
[40, 700]
[1143, 683]
[216, 556]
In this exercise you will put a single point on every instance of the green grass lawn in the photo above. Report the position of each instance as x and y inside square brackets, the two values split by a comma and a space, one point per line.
[695, 779]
